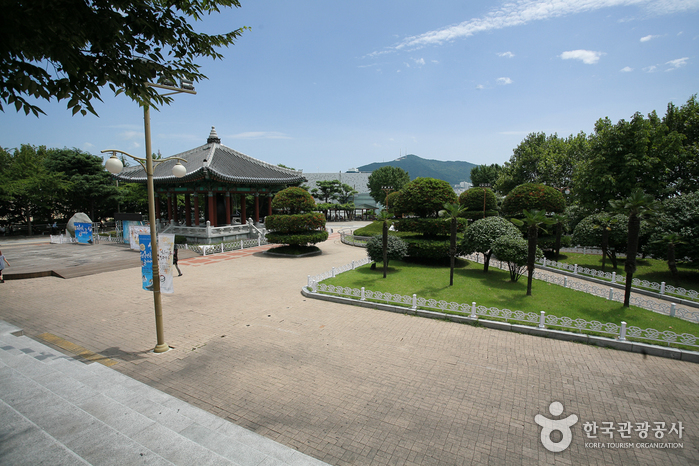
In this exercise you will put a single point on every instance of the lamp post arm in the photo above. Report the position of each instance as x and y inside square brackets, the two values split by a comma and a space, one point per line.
[141, 160]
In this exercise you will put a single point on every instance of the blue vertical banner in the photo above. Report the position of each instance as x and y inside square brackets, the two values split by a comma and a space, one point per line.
[83, 232]
[146, 261]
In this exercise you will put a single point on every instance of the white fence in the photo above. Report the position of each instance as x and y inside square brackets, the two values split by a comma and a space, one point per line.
[208, 249]
[541, 320]
[661, 288]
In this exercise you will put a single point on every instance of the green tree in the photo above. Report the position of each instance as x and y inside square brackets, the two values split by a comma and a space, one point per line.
[27, 189]
[297, 225]
[639, 153]
[636, 206]
[542, 159]
[481, 234]
[478, 203]
[326, 191]
[425, 197]
[395, 249]
[73, 48]
[514, 250]
[387, 176]
[533, 196]
[604, 230]
[678, 215]
[452, 212]
[485, 174]
[93, 191]
[684, 173]
[532, 221]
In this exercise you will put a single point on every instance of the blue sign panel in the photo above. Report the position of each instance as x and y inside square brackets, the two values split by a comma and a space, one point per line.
[83, 232]
[146, 261]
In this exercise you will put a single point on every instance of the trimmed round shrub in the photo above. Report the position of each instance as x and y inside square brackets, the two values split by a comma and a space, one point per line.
[514, 250]
[430, 226]
[425, 197]
[481, 234]
[295, 223]
[396, 248]
[589, 231]
[472, 199]
[293, 200]
[391, 200]
[294, 227]
[533, 196]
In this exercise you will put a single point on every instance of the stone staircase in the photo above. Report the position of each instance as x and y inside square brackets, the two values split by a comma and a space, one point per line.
[57, 410]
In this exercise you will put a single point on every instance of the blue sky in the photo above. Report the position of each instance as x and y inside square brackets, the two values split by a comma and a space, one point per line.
[327, 86]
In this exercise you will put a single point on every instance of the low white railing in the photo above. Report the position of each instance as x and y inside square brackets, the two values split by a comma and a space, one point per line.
[208, 249]
[661, 288]
[542, 320]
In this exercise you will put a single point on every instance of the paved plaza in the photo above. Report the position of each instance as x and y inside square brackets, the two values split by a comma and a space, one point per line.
[356, 386]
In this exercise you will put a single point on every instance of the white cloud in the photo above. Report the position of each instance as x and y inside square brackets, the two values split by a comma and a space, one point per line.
[259, 135]
[586, 56]
[677, 63]
[87, 146]
[647, 38]
[504, 81]
[480, 87]
[626, 69]
[506, 54]
[419, 61]
[128, 135]
[519, 12]
[650, 69]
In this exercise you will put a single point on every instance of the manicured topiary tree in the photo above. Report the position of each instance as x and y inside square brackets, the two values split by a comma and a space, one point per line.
[478, 203]
[296, 224]
[482, 234]
[425, 197]
[514, 250]
[396, 249]
[603, 230]
[533, 196]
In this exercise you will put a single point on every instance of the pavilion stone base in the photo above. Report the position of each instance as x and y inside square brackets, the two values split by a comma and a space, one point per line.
[212, 235]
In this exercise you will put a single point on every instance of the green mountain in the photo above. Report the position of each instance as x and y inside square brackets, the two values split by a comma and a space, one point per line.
[451, 172]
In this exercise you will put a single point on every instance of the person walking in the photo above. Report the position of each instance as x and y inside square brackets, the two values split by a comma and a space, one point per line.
[3, 261]
[174, 262]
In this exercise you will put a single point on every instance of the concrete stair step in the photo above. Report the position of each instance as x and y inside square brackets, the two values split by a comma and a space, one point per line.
[90, 414]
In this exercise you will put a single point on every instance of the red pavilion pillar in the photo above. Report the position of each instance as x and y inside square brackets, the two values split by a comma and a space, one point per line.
[228, 208]
[169, 207]
[187, 210]
[257, 208]
[243, 213]
[196, 209]
[212, 210]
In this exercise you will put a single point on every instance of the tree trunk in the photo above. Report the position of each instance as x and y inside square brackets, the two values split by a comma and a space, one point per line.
[531, 256]
[605, 244]
[486, 260]
[559, 233]
[452, 251]
[630, 264]
[385, 247]
[671, 262]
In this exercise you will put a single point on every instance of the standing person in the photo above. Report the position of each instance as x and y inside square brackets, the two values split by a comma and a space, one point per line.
[3, 261]
[174, 262]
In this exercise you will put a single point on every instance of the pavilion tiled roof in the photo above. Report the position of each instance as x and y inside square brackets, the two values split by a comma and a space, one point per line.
[216, 162]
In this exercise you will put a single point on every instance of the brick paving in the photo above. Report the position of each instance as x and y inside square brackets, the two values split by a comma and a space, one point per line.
[349, 385]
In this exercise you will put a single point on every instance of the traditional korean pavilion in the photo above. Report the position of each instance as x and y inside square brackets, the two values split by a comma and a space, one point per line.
[224, 177]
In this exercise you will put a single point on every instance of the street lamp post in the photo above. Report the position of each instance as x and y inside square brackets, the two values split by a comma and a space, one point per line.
[484, 186]
[114, 166]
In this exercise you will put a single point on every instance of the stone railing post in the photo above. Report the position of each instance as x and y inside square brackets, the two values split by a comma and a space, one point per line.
[672, 309]
[362, 298]
[575, 269]
[613, 277]
[414, 302]
[542, 319]
[622, 332]
[611, 294]
[662, 287]
[473, 310]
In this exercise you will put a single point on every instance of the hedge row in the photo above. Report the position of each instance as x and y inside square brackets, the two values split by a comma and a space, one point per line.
[295, 223]
[299, 239]
[430, 226]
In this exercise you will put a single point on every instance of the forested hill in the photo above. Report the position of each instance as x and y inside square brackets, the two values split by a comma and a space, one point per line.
[451, 172]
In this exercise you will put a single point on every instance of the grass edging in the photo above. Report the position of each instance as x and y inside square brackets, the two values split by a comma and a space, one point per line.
[630, 346]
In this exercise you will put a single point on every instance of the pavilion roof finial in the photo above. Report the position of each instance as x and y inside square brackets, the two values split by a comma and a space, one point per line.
[213, 137]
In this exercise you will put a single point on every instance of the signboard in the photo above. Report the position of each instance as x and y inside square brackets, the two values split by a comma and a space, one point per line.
[146, 262]
[83, 232]
[166, 249]
[134, 232]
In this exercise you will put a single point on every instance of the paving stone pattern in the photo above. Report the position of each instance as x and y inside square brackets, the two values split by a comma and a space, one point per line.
[350, 385]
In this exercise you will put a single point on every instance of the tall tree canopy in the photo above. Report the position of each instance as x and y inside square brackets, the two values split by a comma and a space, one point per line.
[485, 174]
[71, 49]
[542, 159]
[387, 176]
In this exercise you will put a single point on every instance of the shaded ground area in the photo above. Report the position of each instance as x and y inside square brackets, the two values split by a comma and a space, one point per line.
[41, 259]
[351, 385]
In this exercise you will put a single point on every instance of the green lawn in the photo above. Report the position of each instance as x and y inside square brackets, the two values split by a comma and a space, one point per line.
[652, 270]
[495, 289]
